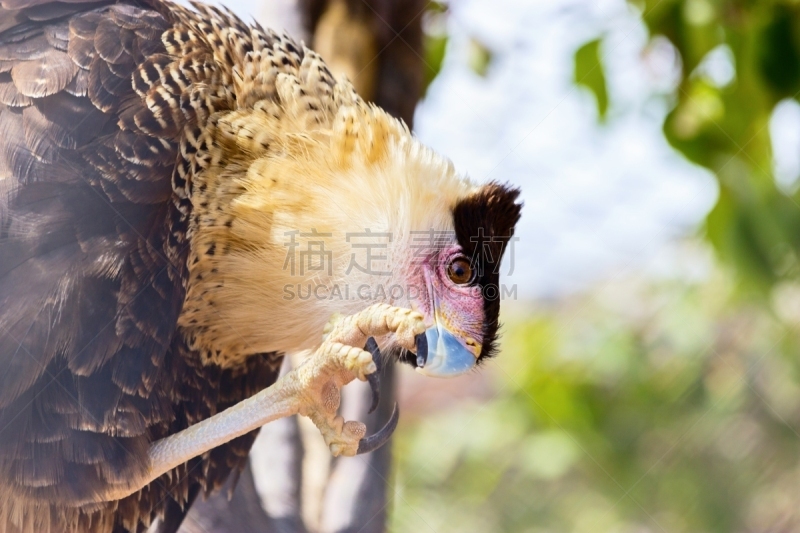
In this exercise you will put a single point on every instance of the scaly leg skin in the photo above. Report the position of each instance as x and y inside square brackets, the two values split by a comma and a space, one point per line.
[312, 389]
[338, 361]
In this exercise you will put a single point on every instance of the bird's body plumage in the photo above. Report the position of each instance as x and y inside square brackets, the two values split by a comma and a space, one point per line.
[153, 161]
[93, 271]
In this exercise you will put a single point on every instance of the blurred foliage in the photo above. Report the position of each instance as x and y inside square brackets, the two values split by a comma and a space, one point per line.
[755, 226]
[480, 57]
[639, 407]
[434, 47]
[589, 73]
[436, 39]
[651, 406]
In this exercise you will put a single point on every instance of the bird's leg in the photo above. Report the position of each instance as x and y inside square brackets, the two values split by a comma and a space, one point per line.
[312, 389]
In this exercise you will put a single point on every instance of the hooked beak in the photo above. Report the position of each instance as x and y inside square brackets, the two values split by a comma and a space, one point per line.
[440, 354]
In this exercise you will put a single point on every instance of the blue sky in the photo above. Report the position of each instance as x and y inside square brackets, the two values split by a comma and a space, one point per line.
[600, 198]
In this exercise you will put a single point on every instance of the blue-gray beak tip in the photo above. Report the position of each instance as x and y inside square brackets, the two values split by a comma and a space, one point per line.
[440, 354]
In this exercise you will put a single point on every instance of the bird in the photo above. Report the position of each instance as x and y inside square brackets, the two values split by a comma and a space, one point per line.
[184, 199]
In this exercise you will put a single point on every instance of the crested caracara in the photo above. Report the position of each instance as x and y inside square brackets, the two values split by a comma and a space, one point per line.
[184, 198]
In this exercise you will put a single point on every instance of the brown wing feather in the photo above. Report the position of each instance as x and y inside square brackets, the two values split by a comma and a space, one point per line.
[92, 269]
[9, 93]
[57, 35]
[44, 75]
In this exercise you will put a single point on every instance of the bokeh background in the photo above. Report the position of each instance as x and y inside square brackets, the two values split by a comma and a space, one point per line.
[649, 377]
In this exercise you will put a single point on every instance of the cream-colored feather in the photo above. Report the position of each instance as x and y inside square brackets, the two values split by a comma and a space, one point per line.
[314, 158]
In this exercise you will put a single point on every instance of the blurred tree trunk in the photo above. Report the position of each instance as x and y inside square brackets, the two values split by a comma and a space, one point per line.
[242, 514]
[376, 43]
[294, 485]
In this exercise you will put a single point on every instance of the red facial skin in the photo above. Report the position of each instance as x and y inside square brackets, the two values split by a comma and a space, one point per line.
[444, 303]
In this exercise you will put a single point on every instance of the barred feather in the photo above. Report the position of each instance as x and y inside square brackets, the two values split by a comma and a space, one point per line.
[93, 251]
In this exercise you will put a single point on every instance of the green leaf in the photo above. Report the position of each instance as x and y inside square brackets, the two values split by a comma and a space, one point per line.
[434, 47]
[480, 57]
[434, 41]
[589, 73]
[779, 60]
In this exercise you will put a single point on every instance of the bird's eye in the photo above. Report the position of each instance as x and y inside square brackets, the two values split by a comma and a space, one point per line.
[459, 271]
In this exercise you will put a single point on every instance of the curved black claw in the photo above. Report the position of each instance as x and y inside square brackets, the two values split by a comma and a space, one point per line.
[373, 442]
[422, 349]
[374, 379]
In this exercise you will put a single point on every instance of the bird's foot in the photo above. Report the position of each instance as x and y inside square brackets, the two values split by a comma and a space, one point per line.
[339, 360]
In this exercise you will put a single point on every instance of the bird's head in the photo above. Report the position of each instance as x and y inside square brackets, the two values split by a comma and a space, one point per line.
[316, 203]
[454, 281]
